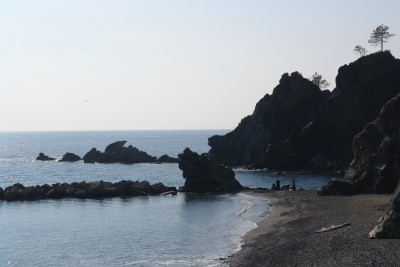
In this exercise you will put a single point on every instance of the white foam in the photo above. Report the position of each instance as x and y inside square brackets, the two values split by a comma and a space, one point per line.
[246, 204]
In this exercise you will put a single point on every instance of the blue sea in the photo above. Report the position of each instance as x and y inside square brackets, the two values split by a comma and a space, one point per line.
[182, 230]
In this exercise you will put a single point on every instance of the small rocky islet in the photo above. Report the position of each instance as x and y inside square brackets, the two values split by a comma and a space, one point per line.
[114, 153]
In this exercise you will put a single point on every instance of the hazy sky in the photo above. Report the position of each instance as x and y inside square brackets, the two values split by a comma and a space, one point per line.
[169, 64]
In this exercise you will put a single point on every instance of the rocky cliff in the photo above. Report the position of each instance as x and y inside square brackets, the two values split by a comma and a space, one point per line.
[292, 104]
[376, 164]
[299, 127]
[362, 87]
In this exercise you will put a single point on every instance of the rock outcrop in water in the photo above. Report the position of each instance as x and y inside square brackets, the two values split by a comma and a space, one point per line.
[43, 157]
[94, 190]
[114, 153]
[70, 157]
[376, 164]
[117, 153]
[204, 174]
[167, 159]
[292, 133]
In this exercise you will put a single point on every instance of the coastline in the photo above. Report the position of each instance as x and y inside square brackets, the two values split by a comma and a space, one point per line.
[286, 236]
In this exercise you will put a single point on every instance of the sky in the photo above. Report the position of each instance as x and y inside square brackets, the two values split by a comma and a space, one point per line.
[169, 64]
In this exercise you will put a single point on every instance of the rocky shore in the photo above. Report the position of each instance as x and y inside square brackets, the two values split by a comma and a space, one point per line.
[287, 237]
[93, 190]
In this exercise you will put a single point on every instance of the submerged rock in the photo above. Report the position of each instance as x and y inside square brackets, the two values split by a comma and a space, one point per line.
[43, 157]
[124, 188]
[204, 174]
[70, 157]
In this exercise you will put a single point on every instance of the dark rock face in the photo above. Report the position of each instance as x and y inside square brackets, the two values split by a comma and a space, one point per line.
[70, 157]
[292, 105]
[376, 164]
[117, 153]
[203, 174]
[167, 159]
[43, 157]
[389, 225]
[124, 188]
[362, 87]
[299, 127]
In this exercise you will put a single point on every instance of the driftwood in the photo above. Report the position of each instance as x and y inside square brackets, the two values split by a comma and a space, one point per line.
[332, 227]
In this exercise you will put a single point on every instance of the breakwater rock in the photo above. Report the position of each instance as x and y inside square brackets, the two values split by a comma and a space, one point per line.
[203, 174]
[89, 190]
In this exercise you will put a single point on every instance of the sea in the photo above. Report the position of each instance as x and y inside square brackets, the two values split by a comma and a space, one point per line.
[181, 230]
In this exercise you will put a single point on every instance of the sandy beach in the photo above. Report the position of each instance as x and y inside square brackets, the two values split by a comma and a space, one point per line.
[287, 236]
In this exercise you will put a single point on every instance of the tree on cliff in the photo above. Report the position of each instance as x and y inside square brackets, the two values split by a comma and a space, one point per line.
[360, 50]
[380, 35]
[319, 81]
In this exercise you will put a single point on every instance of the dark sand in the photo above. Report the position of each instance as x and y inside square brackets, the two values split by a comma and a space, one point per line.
[287, 236]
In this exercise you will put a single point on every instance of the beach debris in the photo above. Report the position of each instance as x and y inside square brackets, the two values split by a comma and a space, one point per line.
[332, 227]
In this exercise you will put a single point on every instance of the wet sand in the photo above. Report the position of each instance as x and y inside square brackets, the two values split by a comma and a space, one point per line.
[287, 236]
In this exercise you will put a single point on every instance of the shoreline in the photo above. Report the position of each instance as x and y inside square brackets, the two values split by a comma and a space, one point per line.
[279, 213]
[286, 236]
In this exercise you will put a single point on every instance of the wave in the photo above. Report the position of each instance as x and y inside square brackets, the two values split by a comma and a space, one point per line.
[246, 204]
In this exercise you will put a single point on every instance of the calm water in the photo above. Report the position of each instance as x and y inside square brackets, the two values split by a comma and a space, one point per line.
[180, 230]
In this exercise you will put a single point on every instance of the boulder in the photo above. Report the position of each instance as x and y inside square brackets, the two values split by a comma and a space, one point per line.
[70, 157]
[338, 187]
[389, 225]
[43, 157]
[202, 173]
[92, 156]
[167, 159]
